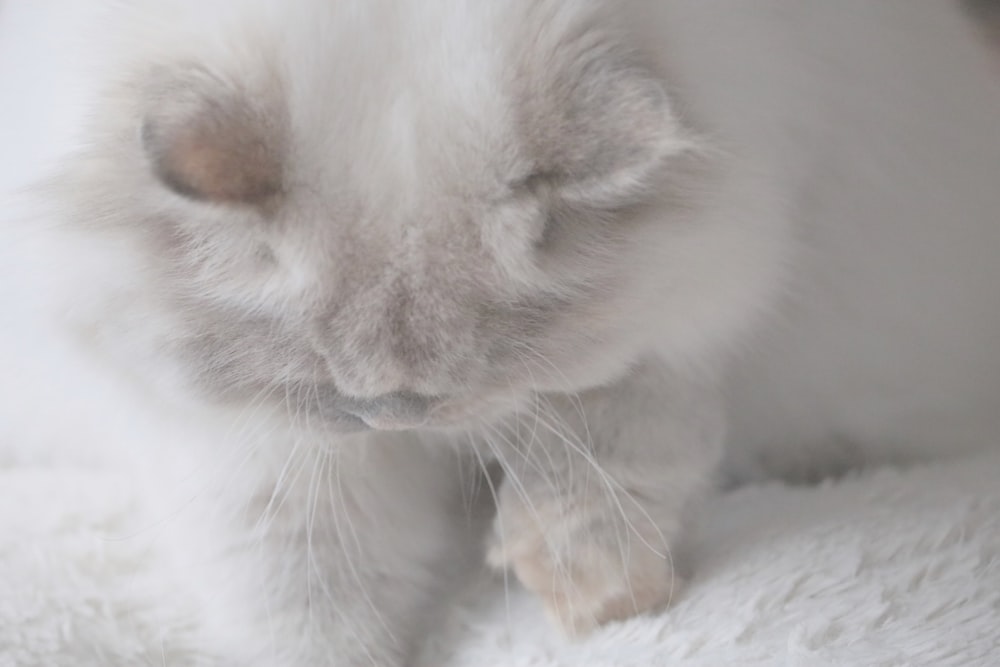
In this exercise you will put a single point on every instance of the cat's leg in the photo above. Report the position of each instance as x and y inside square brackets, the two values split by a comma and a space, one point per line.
[596, 489]
[340, 561]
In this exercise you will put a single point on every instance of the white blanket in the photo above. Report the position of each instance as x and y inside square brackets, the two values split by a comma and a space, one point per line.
[891, 567]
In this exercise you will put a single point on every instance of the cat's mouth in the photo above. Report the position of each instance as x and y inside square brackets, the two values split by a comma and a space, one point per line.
[405, 411]
[396, 411]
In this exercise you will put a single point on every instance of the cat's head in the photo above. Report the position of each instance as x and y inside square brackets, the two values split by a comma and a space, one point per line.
[401, 213]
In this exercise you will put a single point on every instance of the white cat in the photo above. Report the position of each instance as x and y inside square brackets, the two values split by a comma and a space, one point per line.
[305, 258]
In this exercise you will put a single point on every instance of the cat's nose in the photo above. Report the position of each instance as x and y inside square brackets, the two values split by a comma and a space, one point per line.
[394, 411]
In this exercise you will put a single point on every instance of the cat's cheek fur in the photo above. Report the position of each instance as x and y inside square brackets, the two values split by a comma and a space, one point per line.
[298, 551]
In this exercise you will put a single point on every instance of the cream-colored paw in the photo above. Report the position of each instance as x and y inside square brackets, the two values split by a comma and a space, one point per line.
[587, 570]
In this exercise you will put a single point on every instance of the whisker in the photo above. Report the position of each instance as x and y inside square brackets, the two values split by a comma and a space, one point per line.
[345, 515]
[500, 527]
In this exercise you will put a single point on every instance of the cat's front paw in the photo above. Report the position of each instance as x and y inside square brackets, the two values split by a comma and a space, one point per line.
[589, 565]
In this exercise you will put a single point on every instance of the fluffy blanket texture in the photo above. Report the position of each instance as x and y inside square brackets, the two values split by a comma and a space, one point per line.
[890, 567]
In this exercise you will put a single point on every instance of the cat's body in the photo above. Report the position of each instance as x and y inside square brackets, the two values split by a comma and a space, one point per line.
[486, 220]
[885, 341]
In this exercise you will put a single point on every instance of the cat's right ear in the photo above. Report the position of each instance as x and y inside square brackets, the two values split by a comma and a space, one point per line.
[210, 141]
[599, 127]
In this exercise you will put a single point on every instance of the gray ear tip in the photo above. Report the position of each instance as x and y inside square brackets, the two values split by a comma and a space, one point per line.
[150, 137]
[146, 133]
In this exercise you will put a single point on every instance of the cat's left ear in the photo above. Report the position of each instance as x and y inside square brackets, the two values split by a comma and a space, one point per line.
[607, 131]
[211, 141]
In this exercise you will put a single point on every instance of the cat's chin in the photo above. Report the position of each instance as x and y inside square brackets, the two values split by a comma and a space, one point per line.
[451, 415]
[347, 424]
[454, 414]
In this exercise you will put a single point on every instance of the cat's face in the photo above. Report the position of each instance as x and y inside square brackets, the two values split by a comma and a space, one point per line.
[395, 215]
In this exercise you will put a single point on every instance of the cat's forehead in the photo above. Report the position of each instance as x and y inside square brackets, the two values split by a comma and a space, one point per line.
[408, 77]
[407, 88]
[376, 58]
[406, 117]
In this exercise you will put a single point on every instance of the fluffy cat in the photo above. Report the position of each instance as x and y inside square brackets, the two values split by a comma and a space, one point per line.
[302, 261]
